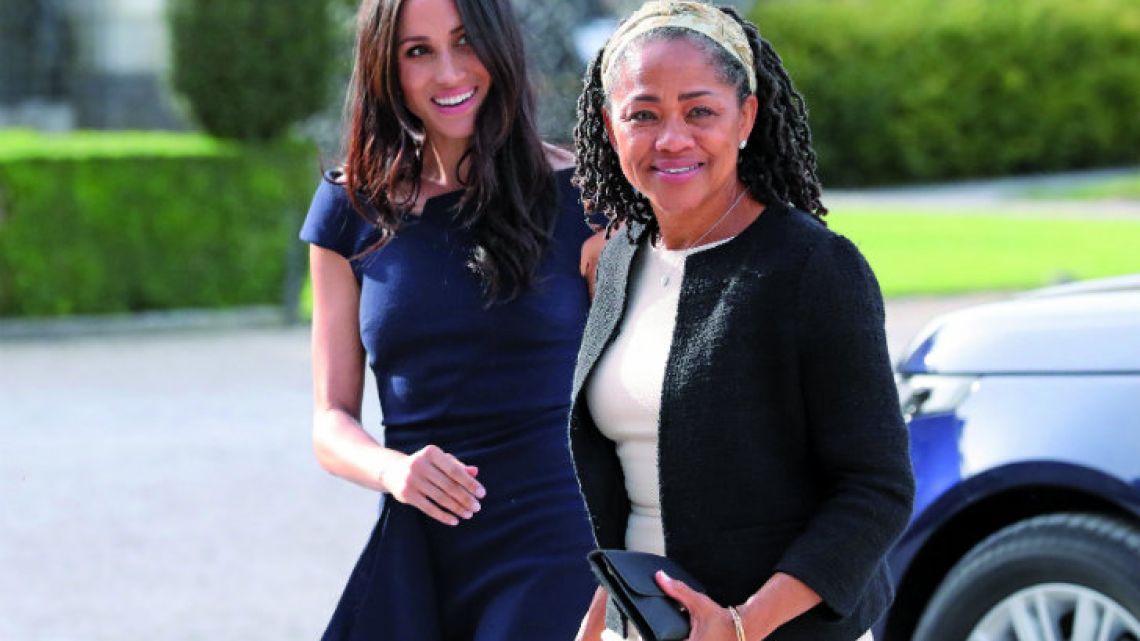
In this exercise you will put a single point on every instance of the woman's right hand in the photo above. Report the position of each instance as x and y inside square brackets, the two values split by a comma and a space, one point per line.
[595, 620]
[436, 483]
[430, 480]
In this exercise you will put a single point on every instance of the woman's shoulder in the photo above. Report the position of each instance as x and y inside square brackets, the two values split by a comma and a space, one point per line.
[800, 223]
[332, 221]
[563, 164]
[829, 260]
[795, 242]
[562, 171]
[571, 224]
[808, 232]
[330, 198]
[331, 201]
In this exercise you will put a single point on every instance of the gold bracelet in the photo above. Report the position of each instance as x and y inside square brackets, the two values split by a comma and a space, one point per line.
[738, 622]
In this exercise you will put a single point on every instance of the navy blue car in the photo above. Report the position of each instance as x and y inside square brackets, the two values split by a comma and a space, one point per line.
[1024, 419]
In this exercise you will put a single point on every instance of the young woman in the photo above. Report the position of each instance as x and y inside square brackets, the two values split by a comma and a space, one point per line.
[446, 255]
[734, 407]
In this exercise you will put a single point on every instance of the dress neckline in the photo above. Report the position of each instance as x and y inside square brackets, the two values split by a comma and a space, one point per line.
[449, 197]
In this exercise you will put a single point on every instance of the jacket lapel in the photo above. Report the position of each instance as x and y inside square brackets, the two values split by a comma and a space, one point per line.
[608, 307]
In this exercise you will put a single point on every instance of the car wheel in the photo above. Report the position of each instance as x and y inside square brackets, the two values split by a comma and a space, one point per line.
[1058, 577]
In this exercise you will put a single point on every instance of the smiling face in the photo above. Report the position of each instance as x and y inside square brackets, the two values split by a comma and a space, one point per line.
[442, 80]
[676, 126]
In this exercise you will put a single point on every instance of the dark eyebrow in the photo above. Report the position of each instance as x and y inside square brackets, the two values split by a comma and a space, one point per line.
[403, 41]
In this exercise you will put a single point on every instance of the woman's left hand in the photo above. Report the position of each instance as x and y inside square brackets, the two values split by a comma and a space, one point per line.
[709, 621]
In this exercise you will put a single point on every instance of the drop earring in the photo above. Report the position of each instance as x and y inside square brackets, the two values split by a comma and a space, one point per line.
[743, 144]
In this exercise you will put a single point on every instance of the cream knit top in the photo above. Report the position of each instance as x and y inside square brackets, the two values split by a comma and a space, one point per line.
[624, 393]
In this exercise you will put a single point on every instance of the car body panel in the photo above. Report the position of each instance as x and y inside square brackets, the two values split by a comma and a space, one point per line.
[1015, 430]
[1090, 332]
[1030, 475]
[1031, 397]
[1127, 282]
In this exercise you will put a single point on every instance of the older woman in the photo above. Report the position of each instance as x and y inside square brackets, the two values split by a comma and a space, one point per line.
[733, 403]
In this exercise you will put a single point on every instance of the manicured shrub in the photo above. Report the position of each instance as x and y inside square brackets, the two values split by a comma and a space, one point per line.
[906, 90]
[120, 222]
[251, 68]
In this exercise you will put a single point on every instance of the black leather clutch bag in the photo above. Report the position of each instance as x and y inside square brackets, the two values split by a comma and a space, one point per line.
[629, 579]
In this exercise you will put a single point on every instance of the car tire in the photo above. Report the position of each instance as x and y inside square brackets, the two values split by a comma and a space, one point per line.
[1071, 572]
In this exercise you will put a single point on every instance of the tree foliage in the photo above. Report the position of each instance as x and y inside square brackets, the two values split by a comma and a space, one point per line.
[923, 90]
[251, 68]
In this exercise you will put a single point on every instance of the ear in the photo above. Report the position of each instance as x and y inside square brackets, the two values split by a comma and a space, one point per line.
[609, 126]
[748, 117]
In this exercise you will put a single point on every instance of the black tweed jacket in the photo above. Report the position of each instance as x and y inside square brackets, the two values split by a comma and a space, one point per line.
[781, 445]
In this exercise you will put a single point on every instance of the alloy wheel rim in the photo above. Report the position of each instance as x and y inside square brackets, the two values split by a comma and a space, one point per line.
[1057, 612]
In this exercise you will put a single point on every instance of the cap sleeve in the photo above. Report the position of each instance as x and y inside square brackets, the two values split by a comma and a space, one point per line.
[333, 223]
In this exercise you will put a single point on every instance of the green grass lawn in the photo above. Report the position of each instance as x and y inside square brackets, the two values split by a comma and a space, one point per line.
[929, 254]
[1118, 188]
[20, 144]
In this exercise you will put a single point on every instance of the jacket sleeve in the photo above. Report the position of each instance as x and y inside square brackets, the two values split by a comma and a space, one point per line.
[857, 435]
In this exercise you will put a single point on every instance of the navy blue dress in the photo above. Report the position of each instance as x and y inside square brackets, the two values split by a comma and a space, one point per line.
[491, 386]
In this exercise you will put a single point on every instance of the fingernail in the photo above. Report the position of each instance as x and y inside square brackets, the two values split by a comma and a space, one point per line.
[480, 492]
[664, 576]
[477, 507]
[468, 515]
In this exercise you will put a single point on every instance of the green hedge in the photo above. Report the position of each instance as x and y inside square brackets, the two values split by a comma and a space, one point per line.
[906, 90]
[95, 223]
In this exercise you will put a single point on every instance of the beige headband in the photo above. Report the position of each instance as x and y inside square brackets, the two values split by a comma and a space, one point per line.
[686, 14]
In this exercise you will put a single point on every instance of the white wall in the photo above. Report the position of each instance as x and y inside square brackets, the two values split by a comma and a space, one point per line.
[121, 36]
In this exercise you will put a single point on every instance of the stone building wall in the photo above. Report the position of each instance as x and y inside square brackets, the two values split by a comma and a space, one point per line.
[99, 64]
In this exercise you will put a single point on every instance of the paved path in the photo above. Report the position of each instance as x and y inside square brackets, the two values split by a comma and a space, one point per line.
[161, 487]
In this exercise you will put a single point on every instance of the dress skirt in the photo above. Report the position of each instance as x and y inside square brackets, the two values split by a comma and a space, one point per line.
[516, 571]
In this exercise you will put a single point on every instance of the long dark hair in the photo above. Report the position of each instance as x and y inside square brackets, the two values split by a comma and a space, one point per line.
[508, 187]
[778, 165]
